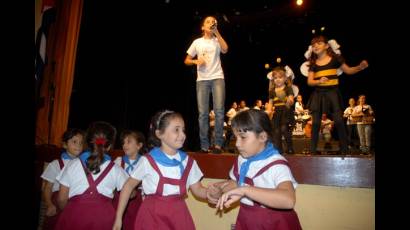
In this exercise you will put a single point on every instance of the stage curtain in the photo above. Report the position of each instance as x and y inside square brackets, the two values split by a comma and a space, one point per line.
[55, 91]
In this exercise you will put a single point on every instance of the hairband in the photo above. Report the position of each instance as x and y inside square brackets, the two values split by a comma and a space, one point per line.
[161, 115]
[332, 43]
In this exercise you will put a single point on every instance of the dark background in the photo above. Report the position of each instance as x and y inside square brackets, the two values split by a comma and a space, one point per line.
[130, 57]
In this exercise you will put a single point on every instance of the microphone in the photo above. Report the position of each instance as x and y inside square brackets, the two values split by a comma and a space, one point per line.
[214, 25]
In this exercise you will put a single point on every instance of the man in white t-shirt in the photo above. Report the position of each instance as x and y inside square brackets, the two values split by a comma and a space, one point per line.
[210, 79]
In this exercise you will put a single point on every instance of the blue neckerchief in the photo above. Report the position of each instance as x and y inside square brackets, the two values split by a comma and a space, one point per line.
[66, 156]
[84, 156]
[163, 160]
[267, 152]
[130, 167]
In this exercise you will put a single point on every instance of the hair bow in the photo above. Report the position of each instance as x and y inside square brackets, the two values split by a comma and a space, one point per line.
[332, 43]
[289, 72]
[100, 141]
[308, 52]
[335, 47]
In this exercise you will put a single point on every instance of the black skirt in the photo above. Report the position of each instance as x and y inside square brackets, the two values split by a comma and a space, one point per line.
[282, 116]
[325, 100]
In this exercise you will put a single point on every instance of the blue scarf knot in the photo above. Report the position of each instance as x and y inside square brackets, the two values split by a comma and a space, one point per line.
[130, 167]
[266, 153]
[161, 158]
[66, 156]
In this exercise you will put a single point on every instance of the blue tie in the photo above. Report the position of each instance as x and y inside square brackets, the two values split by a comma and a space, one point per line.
[130, 167]
[66, 156]
[267, 152]
[163, 160]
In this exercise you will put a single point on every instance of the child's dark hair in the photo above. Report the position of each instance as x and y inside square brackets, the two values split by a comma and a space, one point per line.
[138, 136]
[70, 133]
[100, 138]
[319, 38]
[204, 18]
[330, 52]
[253, 120]
[159, 122]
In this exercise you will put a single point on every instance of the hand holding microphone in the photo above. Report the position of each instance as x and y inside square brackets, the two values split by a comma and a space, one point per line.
[213, 27]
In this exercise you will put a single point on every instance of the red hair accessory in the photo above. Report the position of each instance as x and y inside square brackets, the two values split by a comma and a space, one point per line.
[100, 141]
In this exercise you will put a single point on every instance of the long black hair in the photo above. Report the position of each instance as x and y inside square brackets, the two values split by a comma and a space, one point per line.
[100, 139]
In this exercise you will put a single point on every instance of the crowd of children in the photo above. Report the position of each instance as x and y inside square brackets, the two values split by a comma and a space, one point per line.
[147, 186]
[86, 189]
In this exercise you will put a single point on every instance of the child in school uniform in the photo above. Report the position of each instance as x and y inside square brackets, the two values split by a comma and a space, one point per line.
[72, 142]
[133, 144]
[88, 182]
[166, 173]
[261, 178]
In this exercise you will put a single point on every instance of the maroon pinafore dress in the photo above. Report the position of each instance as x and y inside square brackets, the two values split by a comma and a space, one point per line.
[257, 217]
[166, 212]
[90, 210]
[50, 221]
[132, 207]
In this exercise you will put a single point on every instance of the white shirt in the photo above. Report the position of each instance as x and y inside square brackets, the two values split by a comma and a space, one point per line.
[73, 176]
[348, 113]
[326, 126]
[256, 107]
[209, 50]
[118, 161]
[298, 108]
[52, 171]
[243, 109]
[231, 114]
[360, 108]
[150, 178]
[271, 178]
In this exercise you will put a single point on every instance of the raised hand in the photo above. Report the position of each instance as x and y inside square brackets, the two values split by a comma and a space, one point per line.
[363, 65]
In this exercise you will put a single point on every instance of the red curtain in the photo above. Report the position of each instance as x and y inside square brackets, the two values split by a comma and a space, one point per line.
[59, 72]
